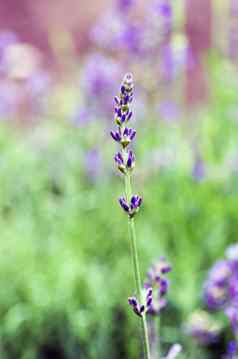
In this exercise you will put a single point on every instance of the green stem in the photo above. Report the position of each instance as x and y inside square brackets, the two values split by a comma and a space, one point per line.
[136, 267]
[158, 335]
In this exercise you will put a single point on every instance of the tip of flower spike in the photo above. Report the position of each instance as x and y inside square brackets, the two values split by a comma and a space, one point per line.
[127, 85]
[128, 78]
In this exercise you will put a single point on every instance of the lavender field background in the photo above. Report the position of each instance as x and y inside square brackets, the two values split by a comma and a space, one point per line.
[65, 265]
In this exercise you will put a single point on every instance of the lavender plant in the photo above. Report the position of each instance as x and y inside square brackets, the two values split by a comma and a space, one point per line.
[221, 294]
[157, 280]
[130, 203]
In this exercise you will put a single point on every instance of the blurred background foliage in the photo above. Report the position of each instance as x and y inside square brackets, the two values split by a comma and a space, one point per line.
[65, 264]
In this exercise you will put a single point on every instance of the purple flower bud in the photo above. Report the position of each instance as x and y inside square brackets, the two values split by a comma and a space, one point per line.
[142, 308]
[149, 302]
[116, 136]
[149, 292]
[129, 116]
[131, 160]
[137, 308]
[149, 298]
[123, 118]
[129, 132]
[163, 287]
[128, 81]
[133, 208]
[117, 100]
[165, 267]
[119, 159]
[124, 204]
[123, 90]
[132, 301]
[135, 201]
[126, 165]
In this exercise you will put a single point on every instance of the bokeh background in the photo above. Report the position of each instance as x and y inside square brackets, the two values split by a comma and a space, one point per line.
[65, 266]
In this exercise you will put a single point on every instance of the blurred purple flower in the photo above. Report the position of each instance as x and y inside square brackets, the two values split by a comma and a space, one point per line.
[232, 314]
[216, 286]
[198, 170]
[98, 81]
[169, 111]
[156, 279]
[124, 5]
[201, 326]
[7, 38]
[93, 164]
[131, 38]
[221, 289]
[81, 116]
[9, 94]
[231, 350]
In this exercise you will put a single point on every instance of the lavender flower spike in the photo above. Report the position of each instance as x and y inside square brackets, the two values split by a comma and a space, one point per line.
[125, 161]
[156, 279]
[122, 109]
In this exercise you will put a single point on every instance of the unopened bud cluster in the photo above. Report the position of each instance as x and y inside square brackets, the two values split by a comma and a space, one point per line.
[125, 159]
[143, 308]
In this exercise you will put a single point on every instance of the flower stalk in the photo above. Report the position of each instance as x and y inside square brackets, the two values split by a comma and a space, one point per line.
[125, 161]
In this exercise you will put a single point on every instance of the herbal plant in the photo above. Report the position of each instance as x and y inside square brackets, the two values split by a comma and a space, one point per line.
[156, 279]
[221, 293]
[130, 203]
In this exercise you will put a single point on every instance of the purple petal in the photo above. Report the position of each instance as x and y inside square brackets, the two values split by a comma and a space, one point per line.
[142, 308]
[123, 89]
[124, 204]
[133, 301]
[149, 292]
[132, 134]
[149, 301]
[119, 159]
[163, 287]
[116, 136]
[126, 131]
[117, 100]
[130, 160]
[129, 116]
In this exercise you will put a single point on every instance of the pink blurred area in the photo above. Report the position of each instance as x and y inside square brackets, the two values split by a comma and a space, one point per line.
[38, 22]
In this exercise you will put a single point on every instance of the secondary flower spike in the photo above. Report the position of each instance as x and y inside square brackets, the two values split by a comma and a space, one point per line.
[156, 278]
